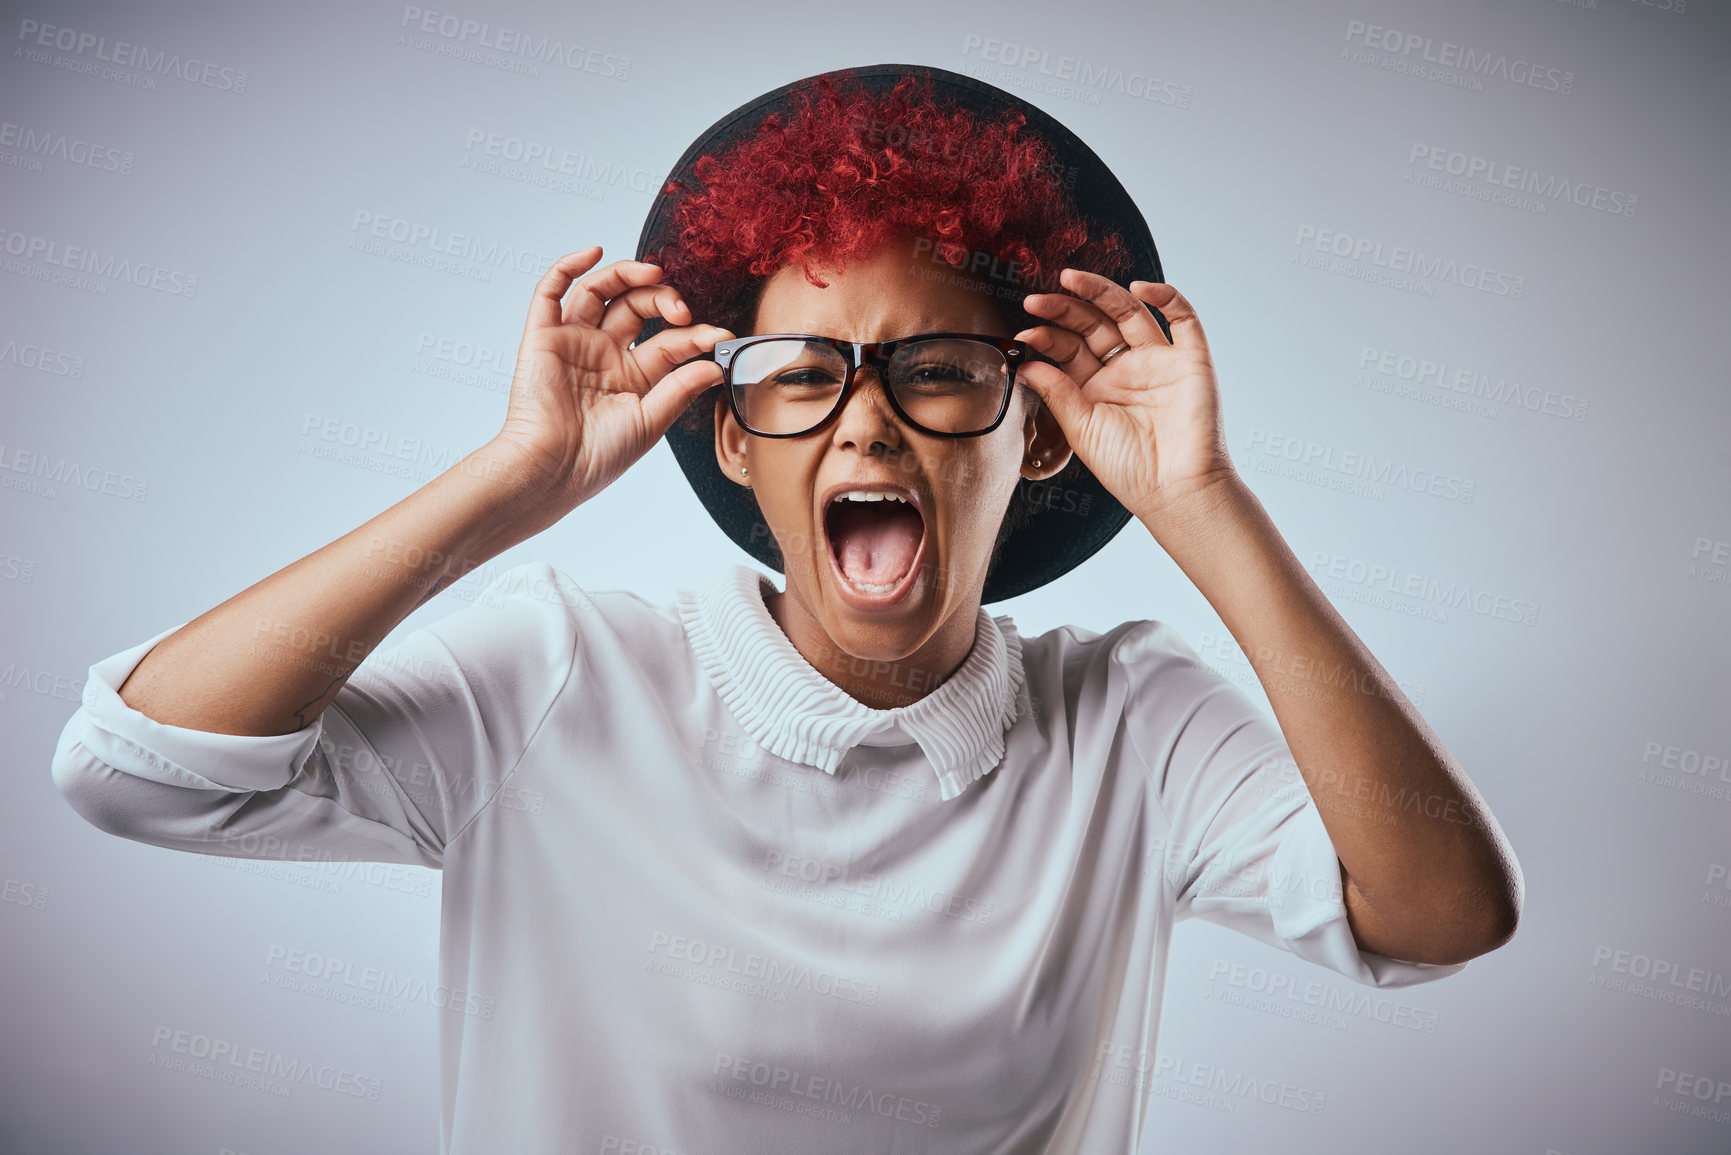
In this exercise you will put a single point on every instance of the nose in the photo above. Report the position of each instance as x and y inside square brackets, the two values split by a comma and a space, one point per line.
[867, 422]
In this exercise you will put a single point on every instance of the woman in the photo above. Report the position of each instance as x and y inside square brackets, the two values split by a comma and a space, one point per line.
[846, 865]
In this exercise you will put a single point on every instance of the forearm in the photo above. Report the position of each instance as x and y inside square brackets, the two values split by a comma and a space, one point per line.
[1430, 876]
[269, 659]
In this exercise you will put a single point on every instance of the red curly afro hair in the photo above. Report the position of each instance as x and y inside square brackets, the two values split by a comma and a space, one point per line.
[845, 171]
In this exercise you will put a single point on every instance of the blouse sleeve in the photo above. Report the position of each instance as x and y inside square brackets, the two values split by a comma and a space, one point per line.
[1246, 847]
[420, 738]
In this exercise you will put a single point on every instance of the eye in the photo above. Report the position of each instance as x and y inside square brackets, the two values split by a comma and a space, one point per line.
[809, 378]
[935, 374]
[939, 371]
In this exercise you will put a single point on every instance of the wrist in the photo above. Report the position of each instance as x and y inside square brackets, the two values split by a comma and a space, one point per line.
[503, 499]
[1196, 509]
[518, 481]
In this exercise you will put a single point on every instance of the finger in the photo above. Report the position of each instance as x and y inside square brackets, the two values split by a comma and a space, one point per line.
[546, 305]
[1179, 314]
[589, 302]
[1097, 331]
[1065, 347]
[1060, 393]
[624, 315]
[662, 352]
[1115, 301]
[663, 404]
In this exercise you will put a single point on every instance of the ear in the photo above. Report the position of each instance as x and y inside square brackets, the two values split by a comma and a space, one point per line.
[730, 442]
[1043, 441]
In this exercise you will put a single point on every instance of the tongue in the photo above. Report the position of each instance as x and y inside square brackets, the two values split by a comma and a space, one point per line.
[875, 545]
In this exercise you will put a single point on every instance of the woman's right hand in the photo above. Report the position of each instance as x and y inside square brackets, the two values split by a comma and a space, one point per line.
[584, 403]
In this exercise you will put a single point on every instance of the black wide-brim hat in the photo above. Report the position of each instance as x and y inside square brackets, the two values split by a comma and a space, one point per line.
[1070, 516]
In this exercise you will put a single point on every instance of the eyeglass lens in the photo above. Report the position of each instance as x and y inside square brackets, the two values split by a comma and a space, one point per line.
[948, 385]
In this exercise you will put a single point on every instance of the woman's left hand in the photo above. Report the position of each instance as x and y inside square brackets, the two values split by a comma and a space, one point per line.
[1147, 422]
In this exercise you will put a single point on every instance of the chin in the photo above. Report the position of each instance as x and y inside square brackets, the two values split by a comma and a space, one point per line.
[874, 639]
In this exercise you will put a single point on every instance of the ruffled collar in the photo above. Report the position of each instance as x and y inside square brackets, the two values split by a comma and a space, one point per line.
[797, 714]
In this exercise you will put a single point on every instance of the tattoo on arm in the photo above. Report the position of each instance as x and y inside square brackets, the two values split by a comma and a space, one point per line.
[437, 586]
[300, 716]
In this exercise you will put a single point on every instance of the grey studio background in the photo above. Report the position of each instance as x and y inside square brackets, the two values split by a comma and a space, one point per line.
[1461, 266]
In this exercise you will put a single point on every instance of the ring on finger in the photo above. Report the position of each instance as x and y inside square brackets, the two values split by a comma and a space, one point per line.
[1114, 351]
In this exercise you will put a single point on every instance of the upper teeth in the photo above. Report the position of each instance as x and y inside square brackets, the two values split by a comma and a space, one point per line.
[864, 495]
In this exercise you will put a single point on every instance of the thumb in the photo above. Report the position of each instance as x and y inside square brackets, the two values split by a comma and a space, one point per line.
[670, 396]
[1060, 393]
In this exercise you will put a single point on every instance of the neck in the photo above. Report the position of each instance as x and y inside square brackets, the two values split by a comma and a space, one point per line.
[880, 684]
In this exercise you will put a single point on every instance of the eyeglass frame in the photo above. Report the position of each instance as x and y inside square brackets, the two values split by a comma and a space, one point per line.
[877, 354]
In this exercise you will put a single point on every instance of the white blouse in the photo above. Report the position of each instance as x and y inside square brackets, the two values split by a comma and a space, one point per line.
[718, 905]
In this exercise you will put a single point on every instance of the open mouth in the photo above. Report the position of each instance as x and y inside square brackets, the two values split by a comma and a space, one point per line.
[876, 537]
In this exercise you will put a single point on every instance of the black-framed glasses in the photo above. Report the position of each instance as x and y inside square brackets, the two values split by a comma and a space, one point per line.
[942, 384]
